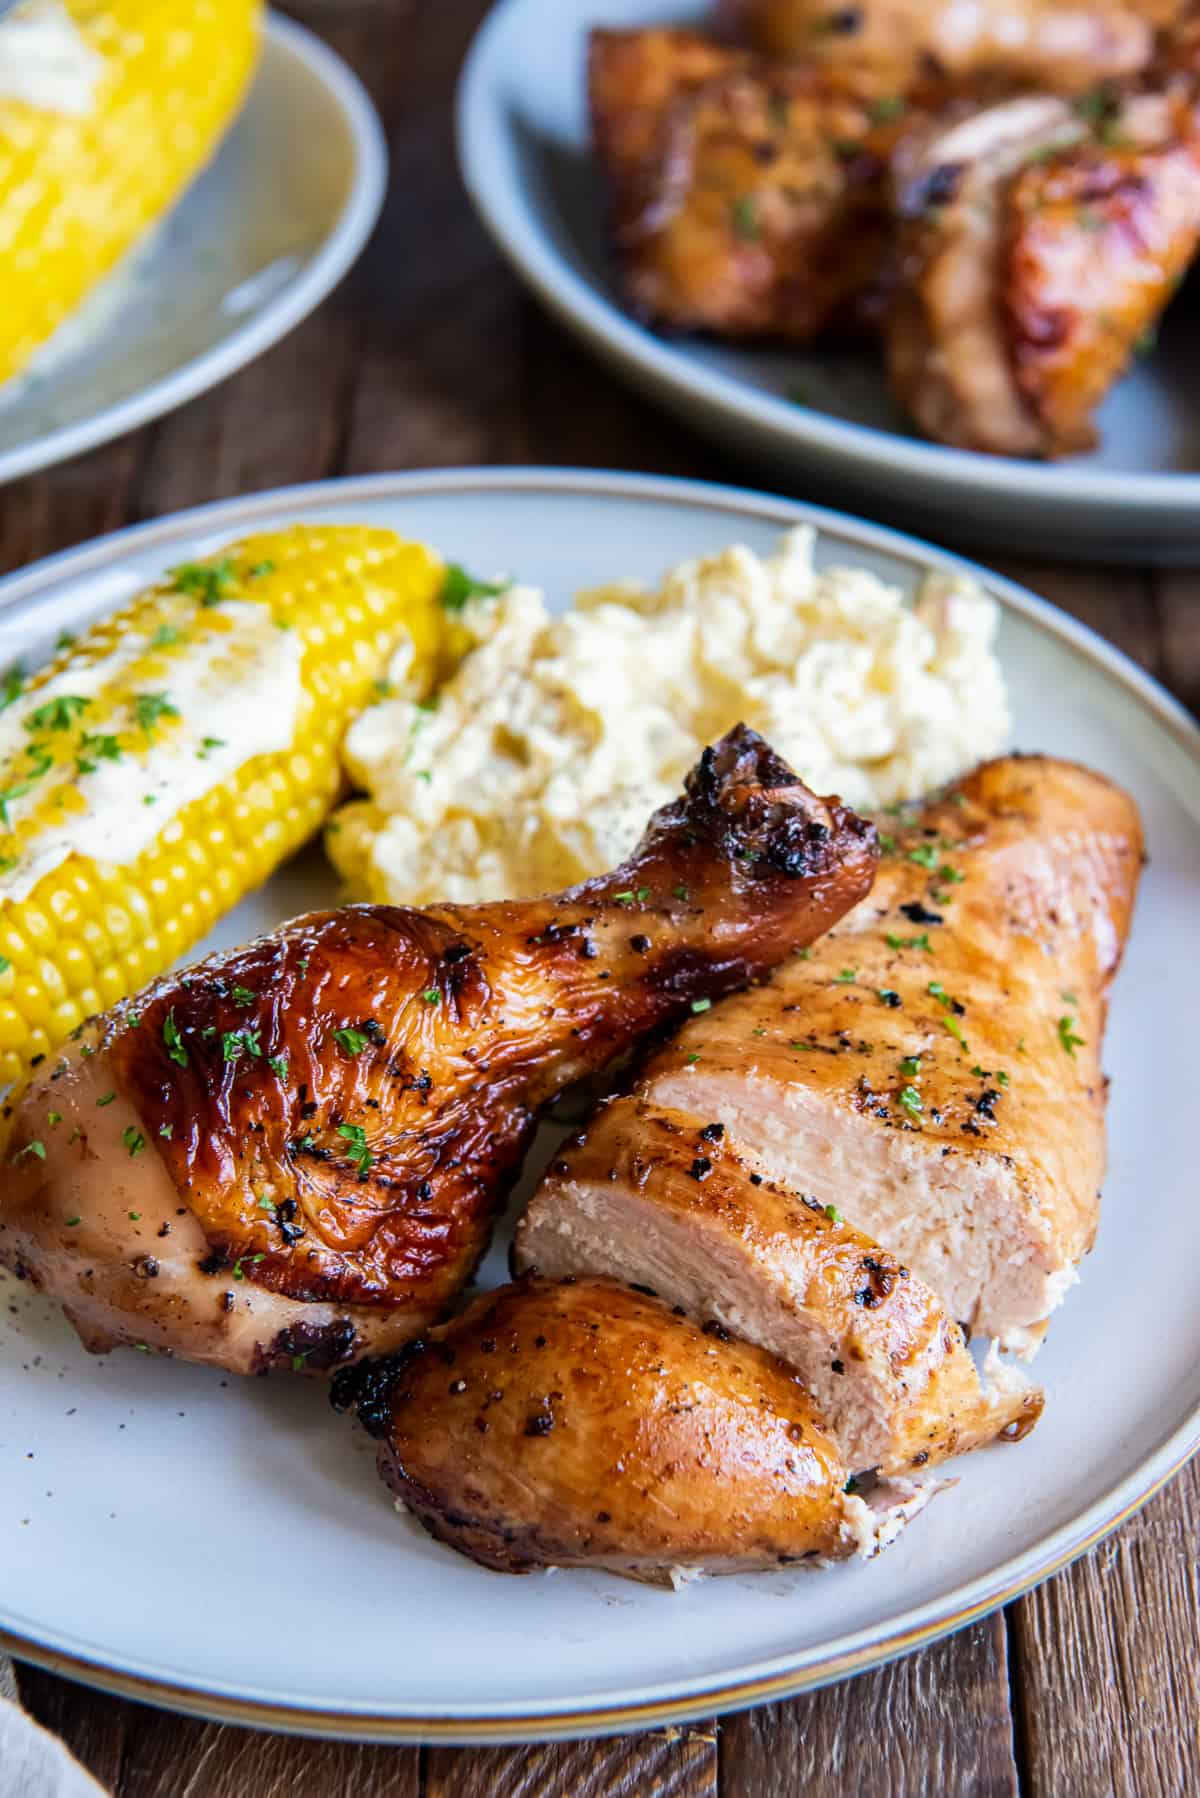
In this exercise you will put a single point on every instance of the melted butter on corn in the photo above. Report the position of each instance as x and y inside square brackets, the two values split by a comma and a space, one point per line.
[226, 715]
[45, 60]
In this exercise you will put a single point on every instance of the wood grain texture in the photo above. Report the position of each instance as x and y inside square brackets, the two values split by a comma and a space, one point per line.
[677, 1763]
[936, 1722]
[430, 355]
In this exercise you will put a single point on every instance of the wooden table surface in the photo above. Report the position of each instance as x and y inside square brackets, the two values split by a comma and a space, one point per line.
[431, 355]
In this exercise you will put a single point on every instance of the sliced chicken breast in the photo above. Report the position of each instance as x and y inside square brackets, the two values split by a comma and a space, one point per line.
[585, 1425]
[664, 1201]
[932, 1066]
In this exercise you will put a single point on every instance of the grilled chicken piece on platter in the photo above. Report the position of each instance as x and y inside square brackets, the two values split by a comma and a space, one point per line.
[748, 198]
[663, 1201]
[932, 1067]
[1061, 46]
[292, 1154]
[1038, 249]
[582, 1424]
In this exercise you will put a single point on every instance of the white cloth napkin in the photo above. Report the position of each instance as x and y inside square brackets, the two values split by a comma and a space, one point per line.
[33, 1763]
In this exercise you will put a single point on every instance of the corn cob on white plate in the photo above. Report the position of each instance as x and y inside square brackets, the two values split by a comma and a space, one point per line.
[224, 1547]
[253, 247]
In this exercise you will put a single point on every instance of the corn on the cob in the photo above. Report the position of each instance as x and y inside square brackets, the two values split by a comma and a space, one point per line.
[77, 192]
[113, 747]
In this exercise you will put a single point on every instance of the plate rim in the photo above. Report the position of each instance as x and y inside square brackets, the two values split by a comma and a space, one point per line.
[781, 1676]
[335, 257]
[512, 221]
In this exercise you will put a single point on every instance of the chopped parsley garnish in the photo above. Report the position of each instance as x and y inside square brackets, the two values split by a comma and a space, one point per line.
[744, 218]
[432, 996]
[888, 996]
[135, 1217]
[207, 745]
[54, 1117]
[107, 1099]
[459, 586]
[244, 995]
[94, 749]
[631, 898]
[887, 108]
[31, 1148]
[910, 1067]
[71, 1222]
[681, 893]
[57, 714]
[833, 1214]
[134, 1141]
[172, 1039]
[887, 845]
[151, 708]
[699, 1005]
[692, 1059]
[1070, 998]
[278, 1065]
[956, 1031]
[209, 582]
[238, 1042]
[11, 688]
[925, 856]
[5, 964]
[353, 1042]
[847, 977]
[164, 637]
[1067, 1036]
[360, 1154]
[298, 1361]
[909, 942]
[910, 1101]
[259, 570]
[167, 1130]
[1001, 1077]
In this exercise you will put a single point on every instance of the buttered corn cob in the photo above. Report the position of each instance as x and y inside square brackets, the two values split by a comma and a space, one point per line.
[81, 182]
[160, 768]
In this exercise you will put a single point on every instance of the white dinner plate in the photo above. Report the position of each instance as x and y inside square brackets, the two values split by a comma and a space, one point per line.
[224, 1546]
[523, 148]
[256, 243]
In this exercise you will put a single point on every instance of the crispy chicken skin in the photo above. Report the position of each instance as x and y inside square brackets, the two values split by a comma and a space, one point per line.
[748, 199]
[327, 1120]
[663, 1200]
[1035, 256]
[1061, 46]
[932, 1068]
[586, 1425]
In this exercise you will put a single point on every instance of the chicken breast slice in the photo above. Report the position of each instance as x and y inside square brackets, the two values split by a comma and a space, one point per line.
[664, 1201]
[932, 1066]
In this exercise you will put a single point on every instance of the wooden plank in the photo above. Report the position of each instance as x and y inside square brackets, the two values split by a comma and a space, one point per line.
[936, 1722]
[1178, 594]
[1118, 604]
[1109, 1687]
[679, 1763]
[93, 1726]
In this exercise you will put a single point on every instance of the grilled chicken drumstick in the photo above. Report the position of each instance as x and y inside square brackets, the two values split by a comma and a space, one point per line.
[293, 1153]
[1037, 252]
[586, 1425]
[1061, 46]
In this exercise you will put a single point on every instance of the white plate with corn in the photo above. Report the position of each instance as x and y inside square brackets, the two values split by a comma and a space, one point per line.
[176, 193]
[220, 1545]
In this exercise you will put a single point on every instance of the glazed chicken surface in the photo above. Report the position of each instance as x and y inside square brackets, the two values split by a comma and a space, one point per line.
[664, 1201]
[583, 1424]
[932, 1067]
[748, 198]
[1038, 249]
[1061, 46]
[293, 1153]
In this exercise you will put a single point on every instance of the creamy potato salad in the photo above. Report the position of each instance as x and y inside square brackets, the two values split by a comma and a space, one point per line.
[538, 763]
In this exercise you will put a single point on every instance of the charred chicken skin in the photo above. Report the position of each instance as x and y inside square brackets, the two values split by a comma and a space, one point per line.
[932, 1068]
[1060, 46]
[293, 1153]
[1037, 252]
[748, 198]
[663, 1199]
[583, 1424]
